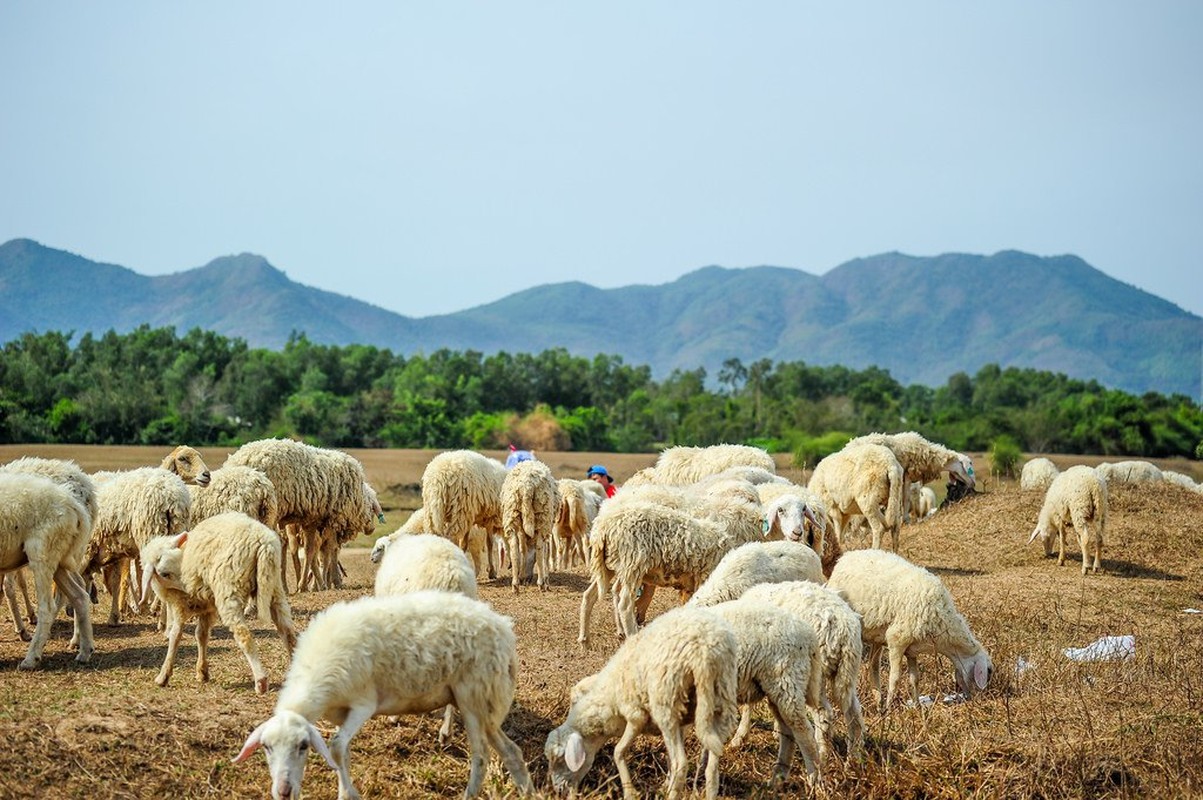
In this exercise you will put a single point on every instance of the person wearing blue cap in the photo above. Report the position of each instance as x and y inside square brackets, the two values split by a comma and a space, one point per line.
[598, 473]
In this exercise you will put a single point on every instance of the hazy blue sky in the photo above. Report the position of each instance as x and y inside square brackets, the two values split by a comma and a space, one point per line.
[433, 157]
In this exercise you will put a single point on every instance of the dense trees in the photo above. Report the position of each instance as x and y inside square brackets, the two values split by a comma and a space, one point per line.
[152, 386]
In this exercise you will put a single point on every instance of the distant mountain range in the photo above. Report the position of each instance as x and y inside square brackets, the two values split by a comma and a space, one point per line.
[922, 319]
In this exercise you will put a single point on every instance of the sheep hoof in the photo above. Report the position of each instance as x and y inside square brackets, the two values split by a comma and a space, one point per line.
[160, 680]
[83, 657]
[29, 663]
[25, 637]
[261, 686]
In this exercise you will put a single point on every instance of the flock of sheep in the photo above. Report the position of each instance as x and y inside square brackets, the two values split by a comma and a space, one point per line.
[772, 607]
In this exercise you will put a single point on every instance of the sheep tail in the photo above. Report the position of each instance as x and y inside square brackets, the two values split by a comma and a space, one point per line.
[717, 713]
[529, 528]
[597, 563]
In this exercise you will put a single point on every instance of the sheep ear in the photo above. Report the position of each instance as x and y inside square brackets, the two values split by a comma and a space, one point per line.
[574, 752]
[251, 745]
[810, 515]
[981, 672]
[1035, 533]
[179, 540]
[148, 572]
[319, 744]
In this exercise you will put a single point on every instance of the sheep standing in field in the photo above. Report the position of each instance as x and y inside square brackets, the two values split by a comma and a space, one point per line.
[460, 489]
[44, 526]
[1038, 473]
[682, 466]
[529, 503]
[922, 460]
[317, 489]
[70, 476]
[577, 509]
[779, 661]
[407, 654]
[636, 543]
[322, 547]
[908, 611]
[684, 660]
[186, 462]
[755, 563]
[1128, 472]
[838, 631]
[134, 506]
[1077, 498]
[212, 572]
[861, 480]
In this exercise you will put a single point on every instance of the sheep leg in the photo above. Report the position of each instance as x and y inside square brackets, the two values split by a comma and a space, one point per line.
[292, 538]
[678, 759]
[282, 618]
[111, 574]
[875, 675]
[204, 625]
[745, 725]
[896, 656]
[912, 669]
[175, 627]
[855, 721]
[131, 580]
[448, 726]
[340, 748]
[511, 757]
[644, 601]
[72, 587]
[542, 567]
[478, 752]
[794, 729]
[620, 758]
[588, 600]
[624, 609]
[42, 583]
[10, 589]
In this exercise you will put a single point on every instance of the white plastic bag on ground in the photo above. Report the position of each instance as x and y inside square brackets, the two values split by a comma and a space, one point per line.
[1108, 648]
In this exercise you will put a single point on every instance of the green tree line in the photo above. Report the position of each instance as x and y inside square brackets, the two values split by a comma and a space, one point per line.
[152, 386]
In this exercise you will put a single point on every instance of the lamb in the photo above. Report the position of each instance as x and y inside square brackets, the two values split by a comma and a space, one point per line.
[635, 542]
[1077, 498]
[44, 526]
[407, 654]
[317, 489]
[1038, 473]
[862, 480]
[242, 489]
[462, 488]
[1128, 472]
[681, 466]
[922, 460]
[838, 630]
[686, 659]
[134, 507]
[754, 563]
[779, 661]
[577, 509]
[908, 610]
[186, 462]
[927, 502]
[214, 571]
[529, 504]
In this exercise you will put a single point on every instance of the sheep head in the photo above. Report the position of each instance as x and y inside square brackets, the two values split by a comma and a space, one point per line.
[186, 462]
[960, 469]
[286, 739]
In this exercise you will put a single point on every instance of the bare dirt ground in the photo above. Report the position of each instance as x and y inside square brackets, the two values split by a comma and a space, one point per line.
[1058, 729]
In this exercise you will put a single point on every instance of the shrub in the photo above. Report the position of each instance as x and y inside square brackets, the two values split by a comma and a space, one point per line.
[1004, 456]
[813, 449]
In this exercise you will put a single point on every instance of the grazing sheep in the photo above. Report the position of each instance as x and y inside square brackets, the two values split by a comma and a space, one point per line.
[681, 466]
[861, 480]
[134, 506]
[779, 661]
[1178, 479]
[460, 489]
[1076, 498]
[636, 544]
[529, 503]
[1128, 472]
[186, 462]
[922, 460]
[1038, 473]
[317, 489]
[242, 489]
[407, 654]
[214, 571]
[838, 630]
[754, 563]
[908, 610]
[757, 476]
[44, 526]
[684, 660]
[577, 509]
[927, 502]
[322, 546]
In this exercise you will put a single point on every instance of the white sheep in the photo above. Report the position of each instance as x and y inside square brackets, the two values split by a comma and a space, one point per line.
[1128, 472]
[927, 501]
[44, 526]
[1178, 479]
[1076, 498]
[681, 466]
[1037, 473]
[244, 489]
[529, 503]
[787, 524]
[407, 654]
[838, 631]
[779, 661]
[636, 543]
[186, 462]
[685, 660]
[134, 506]
[908, 611]
[577, 509]
[861, 480]
[322, 546]
[922, 460]
[462, 489]
[757, 562]
[213, 572]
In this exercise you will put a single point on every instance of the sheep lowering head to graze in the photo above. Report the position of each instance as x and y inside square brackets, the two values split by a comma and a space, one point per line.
[1038, 473]
[682, 466]
[186, 462]
[923, 460]
[1077, 498]
[530, 500]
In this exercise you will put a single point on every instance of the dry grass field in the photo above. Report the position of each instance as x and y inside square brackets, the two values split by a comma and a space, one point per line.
[1058, 729]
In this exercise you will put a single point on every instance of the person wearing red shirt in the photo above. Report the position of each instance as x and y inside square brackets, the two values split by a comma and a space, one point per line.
[598, 473]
